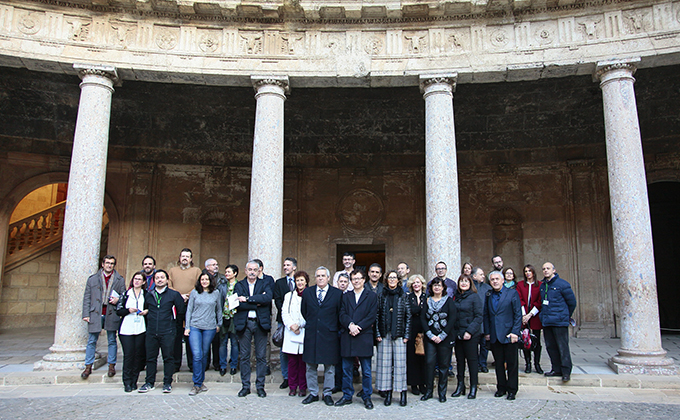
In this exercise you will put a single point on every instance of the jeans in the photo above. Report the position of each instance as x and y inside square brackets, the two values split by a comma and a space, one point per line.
[224, 351]
[348, 375]
[92, 346]
[200, 341]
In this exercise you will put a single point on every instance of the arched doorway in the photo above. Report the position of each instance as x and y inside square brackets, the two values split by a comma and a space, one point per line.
[30, 279]
[664, 202]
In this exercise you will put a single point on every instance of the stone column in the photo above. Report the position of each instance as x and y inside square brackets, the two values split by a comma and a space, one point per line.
[83, 216]
[641, 351]
[265, 230]
[441, 173]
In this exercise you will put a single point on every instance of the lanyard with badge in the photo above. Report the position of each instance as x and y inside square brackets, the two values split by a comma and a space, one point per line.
[138, 317]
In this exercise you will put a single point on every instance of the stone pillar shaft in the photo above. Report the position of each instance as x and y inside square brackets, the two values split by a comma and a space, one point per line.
[641, 350]
[83, 216]
[441, 173]
[265, 230]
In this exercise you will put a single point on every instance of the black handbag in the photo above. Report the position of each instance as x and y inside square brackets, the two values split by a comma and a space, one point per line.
[277, 337]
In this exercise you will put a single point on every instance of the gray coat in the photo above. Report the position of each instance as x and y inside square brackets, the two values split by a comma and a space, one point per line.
[92, 302]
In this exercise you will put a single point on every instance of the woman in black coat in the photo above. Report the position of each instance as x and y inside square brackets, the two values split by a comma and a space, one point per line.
[469, 327]
[415, 363]
[439, 320]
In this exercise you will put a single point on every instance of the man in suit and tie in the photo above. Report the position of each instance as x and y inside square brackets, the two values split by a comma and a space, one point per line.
[357, 320]
[502, 322]
[321, 309]
[281, 287]
[252, 322]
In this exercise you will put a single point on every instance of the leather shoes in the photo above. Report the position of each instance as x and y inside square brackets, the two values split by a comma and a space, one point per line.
[511, 396]
[243, 392]
[328, 400]
[284, 384]
[484, 369]
[310, 399]
[415, 390]
[292, 392]
[566, 378]
[552, 373]
[261, 393]
[368, 404]
[128, 388]
[223, 372]
[499, 394]
[336, 389]
[342, 401]
[232, 371]
[112, 370]
[302, 392]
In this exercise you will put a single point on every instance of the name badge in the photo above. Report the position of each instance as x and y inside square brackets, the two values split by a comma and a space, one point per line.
[545, 302]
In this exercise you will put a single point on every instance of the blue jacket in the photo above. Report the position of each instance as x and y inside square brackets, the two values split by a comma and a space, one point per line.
[558, 302]
[506, 319]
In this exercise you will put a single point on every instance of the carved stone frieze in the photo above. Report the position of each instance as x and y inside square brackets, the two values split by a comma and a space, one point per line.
[470, 45]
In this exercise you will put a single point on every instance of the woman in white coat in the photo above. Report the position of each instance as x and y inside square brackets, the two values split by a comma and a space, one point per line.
[294, 335]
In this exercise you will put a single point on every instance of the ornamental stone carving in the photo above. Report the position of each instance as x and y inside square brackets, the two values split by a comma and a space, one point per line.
[251, 42]
[209, 42]
[123, 33]
[361, 211]
[167, 38]
[374, 45]
[499, 38]
[30, 23]
[79, 28]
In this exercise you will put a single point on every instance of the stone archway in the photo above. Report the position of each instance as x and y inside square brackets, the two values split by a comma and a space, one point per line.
[664, 201]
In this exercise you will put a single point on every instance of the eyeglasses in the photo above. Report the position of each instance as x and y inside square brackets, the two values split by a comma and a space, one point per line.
[393, 278]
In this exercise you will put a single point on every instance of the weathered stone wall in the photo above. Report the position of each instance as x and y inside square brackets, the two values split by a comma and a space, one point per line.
[29, 298]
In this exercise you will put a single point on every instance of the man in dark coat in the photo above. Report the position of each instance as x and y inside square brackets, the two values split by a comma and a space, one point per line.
[102, 291]
[357, 321]
[321, 309]
[252, 322]
[557, 306]
[502, 323]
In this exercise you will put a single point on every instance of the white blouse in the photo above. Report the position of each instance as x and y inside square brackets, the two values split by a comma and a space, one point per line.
[133, 324]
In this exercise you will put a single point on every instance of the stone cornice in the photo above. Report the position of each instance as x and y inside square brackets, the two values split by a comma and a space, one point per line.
[324, 12]
[320, 54]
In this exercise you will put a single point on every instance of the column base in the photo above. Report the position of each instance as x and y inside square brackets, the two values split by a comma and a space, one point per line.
[643, 363]
[67, 359]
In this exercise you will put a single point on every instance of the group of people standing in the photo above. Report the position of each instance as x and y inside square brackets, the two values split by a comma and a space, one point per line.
[405, 327]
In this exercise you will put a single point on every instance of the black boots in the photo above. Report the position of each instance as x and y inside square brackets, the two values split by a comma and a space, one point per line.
[537, 360]
[427, 394]
[442, 384]
[388, 398]
[460, 389]
[402, 399]
[473, 392]
[527, 360]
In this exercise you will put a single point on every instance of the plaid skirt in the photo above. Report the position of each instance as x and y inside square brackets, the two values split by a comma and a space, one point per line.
[391, 365]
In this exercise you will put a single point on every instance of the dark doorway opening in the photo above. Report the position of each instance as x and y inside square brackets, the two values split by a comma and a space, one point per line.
[365, 255]
[664, 204]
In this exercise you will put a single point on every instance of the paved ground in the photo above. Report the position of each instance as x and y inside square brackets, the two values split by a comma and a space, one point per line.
[104, 402]
[595, 392]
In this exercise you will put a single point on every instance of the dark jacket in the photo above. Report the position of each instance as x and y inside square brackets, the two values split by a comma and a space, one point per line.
[260, 302]
[161, 318]
[523, 291]
[482, 289]
[561, 302]
[280, 290]
[362, 314]
[429, 322]
[322, 342]
[469, 308]
[402, 311]
[416, 309]
[92, 302]
[506, 319]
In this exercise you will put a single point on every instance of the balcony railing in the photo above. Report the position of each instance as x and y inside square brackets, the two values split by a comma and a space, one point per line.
[35, 233]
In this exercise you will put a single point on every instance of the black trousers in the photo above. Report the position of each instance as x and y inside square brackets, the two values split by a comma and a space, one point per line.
[253, 332]
[415, 364]
[557, 344]
[165, 343]
[134, 356]
[466, 350]
[179, 337]
[436, 355]
[507, 378]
